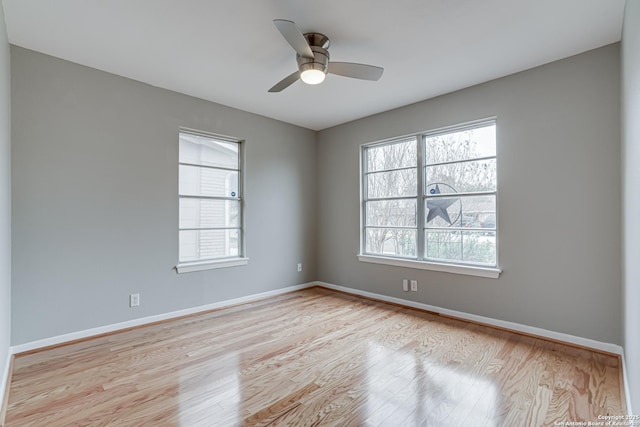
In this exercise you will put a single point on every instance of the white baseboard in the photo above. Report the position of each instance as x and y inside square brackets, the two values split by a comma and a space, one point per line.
[517, 327]
[625, 381]
[4, 386]
[87, 333]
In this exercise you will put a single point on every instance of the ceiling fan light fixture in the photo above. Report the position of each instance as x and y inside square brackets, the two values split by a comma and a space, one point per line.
[313, 70]
[312, 76]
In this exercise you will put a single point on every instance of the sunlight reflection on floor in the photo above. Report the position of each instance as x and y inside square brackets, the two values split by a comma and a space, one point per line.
[212, 399]
[405, 390]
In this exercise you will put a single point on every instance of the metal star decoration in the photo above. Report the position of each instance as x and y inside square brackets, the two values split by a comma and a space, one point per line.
[438, 207]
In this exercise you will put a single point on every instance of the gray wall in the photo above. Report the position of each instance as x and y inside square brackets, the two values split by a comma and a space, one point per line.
[95, 211]
[630, 183]
[559, 198]
[5, 199]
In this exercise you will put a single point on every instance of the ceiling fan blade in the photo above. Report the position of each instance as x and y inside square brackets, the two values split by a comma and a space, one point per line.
[286, 82]
[356, 71]
[294, 36]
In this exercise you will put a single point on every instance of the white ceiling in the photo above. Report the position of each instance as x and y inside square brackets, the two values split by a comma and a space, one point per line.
[229, 51]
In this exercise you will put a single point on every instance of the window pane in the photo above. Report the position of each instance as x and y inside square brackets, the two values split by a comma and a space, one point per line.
[392, 212]
[479, 247]
[479, 175]
[401, 154]
[208, 244]
[197, 181]
[202, 150]
[466, 246]
[389, 241]
[461, 145]
[392, 184]
[463, 211]
[443, 212]
[444, 245]
[206, 213]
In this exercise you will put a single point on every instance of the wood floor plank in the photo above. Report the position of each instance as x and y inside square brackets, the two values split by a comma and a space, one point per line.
[310, 358]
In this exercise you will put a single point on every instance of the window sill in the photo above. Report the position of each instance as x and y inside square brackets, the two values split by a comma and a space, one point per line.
[189, 267]
[489, 272]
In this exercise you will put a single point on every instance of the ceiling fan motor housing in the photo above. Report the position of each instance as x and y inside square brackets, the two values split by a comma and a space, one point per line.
[319, 43]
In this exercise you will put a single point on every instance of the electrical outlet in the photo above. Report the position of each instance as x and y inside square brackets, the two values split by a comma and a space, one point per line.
[405, 285]
[299, 267]
[414, 286]
[134, 300]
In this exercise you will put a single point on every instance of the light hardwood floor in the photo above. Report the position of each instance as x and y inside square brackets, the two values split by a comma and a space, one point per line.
[313, 357]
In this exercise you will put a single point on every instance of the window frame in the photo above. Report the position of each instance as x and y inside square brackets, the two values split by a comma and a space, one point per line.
[218, 262]
[420, 260]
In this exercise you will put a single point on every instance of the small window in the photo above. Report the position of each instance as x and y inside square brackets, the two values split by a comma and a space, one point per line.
[432, 197]
[210, 201]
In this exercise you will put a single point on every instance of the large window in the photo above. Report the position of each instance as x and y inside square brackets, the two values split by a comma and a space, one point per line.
[210, 201]
[431, 198]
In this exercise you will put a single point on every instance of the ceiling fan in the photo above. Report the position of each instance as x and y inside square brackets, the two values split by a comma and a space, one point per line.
[312, 56]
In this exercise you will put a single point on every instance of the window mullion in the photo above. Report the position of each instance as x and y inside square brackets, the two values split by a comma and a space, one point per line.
[420, 241]
[389, 170]
[365, 196]
[460, 161]
[391, 227]
[241, 241]
[208, 228]
[383, 199]
[462, 194]
[190, 196]
[220, 168]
